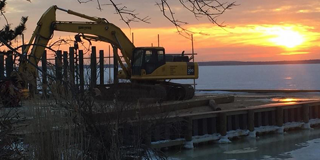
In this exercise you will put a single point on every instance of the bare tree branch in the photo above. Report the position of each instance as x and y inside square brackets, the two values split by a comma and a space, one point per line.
[124, 11]
[208, 8]
[211, 9]
[2, 14]
[82, 1]
[164, 6]
[9, 34]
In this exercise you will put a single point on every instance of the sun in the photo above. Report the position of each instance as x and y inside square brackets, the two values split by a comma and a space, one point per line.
[287, 37]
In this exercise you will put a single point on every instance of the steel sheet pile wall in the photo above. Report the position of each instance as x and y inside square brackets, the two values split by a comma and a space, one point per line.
[222, 126]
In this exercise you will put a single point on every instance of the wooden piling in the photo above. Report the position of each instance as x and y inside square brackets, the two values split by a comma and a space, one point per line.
[44, 74]
[286, 115]
[188, 129]
[214, 125]
[93, 67]
[9, 64]
[279, 116]
[273, 118]
[291, 115]
[229, 123]
[204, 126]
[71, 61]
[299, 114]
[65, 66]
[244, 121]
[251, 120]
[195, 127]
[58, 65]
[81, 70]
[305, 113]
[265, 121]
[200, 126]
[1, 65]
[316, 110]
[259, 119]
[115, 66]
[101, 59]
[33, 84]
[65, 72]
[236, 122]
[223, 123]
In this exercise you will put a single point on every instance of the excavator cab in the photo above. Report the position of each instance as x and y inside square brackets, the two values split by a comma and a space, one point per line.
[147, 59]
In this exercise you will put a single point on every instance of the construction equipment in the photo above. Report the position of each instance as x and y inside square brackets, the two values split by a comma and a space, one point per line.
[147, 68]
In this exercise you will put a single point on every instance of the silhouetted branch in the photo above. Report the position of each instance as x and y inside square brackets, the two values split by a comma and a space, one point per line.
[124, 11]
[199, 8]
[211, 9]
[208, 8]
[164, 6]
[9, 34]
[6, 32]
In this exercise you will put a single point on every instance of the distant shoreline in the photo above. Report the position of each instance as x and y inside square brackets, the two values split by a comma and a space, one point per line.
[236, 63]
[243, 63]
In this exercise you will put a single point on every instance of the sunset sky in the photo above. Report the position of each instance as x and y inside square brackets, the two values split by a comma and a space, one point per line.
[268, 30]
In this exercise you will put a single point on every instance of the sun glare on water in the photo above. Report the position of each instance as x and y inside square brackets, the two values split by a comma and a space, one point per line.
[286, 37]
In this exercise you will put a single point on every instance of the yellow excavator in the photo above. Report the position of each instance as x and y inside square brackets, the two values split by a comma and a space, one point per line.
[149, 69]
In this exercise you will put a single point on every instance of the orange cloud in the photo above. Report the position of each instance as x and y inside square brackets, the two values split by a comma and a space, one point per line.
[282, 8]
[293, 53]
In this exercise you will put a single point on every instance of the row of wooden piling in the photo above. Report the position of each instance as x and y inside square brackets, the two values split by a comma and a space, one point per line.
[66, 63]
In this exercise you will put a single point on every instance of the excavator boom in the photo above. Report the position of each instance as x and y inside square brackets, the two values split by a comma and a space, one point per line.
[102, 29]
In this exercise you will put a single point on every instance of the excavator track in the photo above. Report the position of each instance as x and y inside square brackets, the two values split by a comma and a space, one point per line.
[133, 91]
[177, 91]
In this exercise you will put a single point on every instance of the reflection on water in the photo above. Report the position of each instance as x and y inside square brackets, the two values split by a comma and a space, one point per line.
[271, 146]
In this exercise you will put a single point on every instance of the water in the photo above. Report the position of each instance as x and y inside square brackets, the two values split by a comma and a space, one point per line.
[294, 145]
[292, 76]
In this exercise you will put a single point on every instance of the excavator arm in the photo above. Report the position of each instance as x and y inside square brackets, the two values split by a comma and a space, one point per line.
[97, 28]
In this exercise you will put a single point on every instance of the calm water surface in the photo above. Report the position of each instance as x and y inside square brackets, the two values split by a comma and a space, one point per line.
[293, 145]
[292, 76]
